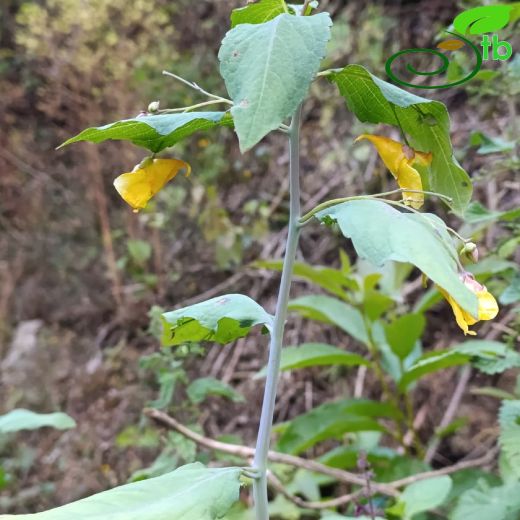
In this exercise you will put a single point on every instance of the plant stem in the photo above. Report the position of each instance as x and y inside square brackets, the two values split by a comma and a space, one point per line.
[275, 347]
[197, 87]
[334, 202]
[409, 417]
[192, 107]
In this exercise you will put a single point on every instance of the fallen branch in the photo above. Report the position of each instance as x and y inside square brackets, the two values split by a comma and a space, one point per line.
[324, 504]
[389, 489]
[248, 453]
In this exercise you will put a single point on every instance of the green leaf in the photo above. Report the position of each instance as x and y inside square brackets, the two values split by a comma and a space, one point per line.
[495, 503]
[222, 319]
[283, 509]
[268, 68]
[380, 233]
[386, 464]
[155, 132]
[331, 310]
[468, 478]
[332, 280]
[426, 122]
[403, 333]
[488, 356]
[476, 213]
[313, 355]
[509, 420]
[140, 251]
[423, 496]
[258, 12]
[512, 292]
[21, 419]
[192, 492]
[331, 421]
[203, 387]
[489, 144]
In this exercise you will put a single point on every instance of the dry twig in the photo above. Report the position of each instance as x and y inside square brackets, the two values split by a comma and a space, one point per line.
[389, 489]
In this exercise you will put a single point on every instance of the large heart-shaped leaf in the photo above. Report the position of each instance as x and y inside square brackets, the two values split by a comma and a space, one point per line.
[191, 492]
[381, 233]
[426, 122]
[20, 419]
[258, 12]
[154, 132]
[222, 319]
[268, 68]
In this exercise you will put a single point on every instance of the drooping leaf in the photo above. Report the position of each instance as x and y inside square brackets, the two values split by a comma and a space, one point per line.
[331, 421]
[509, 420]
[258, 12]
[380, 233]
[21, 419]
[403, 333]
[191, 492]
[222, 319]
[488, 356]
[426, 122]
[496, 503]
[268, 68]
[422, 496]
[489, 144]
[332, 280]
[203, 387]
[476, 213]
[315, 354]
[154, 132]
[331, 310]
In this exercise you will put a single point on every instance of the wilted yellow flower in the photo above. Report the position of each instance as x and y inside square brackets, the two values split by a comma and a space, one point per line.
[487, 305]
[399, 159]
[147, 178]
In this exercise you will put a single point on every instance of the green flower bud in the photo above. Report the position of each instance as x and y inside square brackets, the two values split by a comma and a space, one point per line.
[470, 251]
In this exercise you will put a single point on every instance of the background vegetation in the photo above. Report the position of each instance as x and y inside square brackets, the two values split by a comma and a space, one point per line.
[83, 279]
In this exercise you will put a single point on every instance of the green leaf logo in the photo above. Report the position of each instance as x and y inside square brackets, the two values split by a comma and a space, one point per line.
[484, 19]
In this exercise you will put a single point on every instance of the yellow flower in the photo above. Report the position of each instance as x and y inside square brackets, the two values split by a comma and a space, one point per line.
[487, 305]
[147, 178]
[399, 159]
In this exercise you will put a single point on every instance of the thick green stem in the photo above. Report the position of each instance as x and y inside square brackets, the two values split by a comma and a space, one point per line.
[275, 347]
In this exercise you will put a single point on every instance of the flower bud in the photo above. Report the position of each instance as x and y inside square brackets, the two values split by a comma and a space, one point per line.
[153, 107]
[470, 251]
